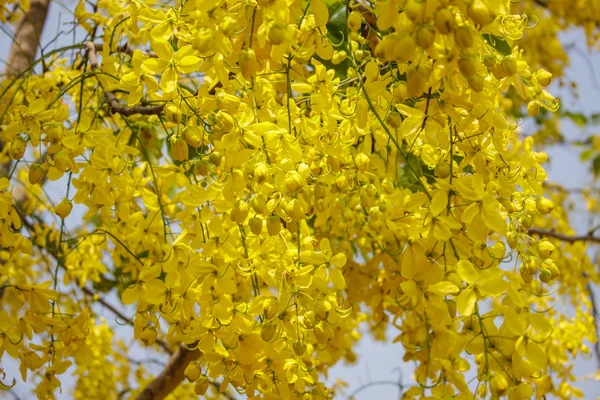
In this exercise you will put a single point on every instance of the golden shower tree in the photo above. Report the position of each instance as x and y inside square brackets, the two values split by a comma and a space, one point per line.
[245, 183]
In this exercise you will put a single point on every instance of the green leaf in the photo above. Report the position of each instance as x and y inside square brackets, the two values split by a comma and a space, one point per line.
[586, 154]
[578, 118]
[596, 165]
[498, 43]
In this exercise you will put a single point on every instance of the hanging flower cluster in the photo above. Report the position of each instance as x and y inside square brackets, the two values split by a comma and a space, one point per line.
[257, 178]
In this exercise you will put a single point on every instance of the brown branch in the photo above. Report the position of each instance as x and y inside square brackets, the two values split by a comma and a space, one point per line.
[161, 343]
[589, 237]
[115, 106]
[171, 376]
[27, 37]
[595, 315]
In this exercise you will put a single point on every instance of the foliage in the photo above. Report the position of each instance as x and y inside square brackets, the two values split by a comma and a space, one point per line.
[258, 178]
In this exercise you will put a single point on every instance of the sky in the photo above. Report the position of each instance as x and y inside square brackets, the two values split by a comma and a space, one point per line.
[378, 362]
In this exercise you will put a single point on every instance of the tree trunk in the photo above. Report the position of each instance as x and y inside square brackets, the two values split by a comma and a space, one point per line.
[28, 34]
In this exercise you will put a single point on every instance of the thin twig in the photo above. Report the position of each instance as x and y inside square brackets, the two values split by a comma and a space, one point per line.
[115, 106]
[588, 237]
[595, 315]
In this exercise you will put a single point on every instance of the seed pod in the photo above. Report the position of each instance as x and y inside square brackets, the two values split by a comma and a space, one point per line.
[273, 225]
[36, 172]
[354, 21]
[17, 148]
[444, 21]
[179, 148]
[64, 208]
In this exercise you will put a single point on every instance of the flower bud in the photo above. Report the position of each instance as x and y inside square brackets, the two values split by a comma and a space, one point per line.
[261, 172]
[425, 36]
[192, 372]
[293, 181]
[467, 66]
[299, 348]
[173, 113]
[203, 41]
[17, 148]
[270, 306]
[268, 331]
[36, 172]
[533, 108]
[228, 102]
[545, 276]
[476, 83]
[255, 225]
[215, 158]
[278, 33]
[414, 10]
[309, 320]
[354, 21]
[294, 210]
[148, 336]
[192, 136]
[509, 65]
[322, 309]
[543, 77]
[544, 205]
[362, 161]
[248, 63]
[228, 26]
[62, 162]
[201, 385]
[240, 212]
[273, 225]
[405, 48]
[545, 249]
[444, 21]
[339, 57]
[479, 13]
[258, 203]
[499, 385]
[63, 209]
[179, 148]
[224, 121]
[463, 37]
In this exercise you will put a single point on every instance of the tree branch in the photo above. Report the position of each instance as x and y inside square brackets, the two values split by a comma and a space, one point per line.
[589, 237]
[171, 376]
[115, 106]
[595, 315]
